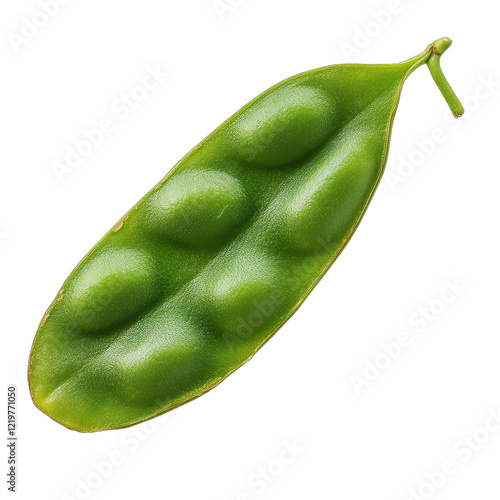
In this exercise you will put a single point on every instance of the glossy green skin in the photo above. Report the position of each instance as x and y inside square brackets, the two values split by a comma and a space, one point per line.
[211, 263]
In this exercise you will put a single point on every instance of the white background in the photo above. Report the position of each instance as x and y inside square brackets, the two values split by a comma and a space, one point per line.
[439, 223]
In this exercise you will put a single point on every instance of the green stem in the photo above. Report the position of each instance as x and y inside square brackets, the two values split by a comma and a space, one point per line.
[433, 63]
[431, 56]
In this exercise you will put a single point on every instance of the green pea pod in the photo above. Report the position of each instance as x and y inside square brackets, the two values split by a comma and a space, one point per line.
[198, 275]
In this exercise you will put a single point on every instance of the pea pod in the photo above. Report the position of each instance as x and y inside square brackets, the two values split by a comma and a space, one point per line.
[198, 275]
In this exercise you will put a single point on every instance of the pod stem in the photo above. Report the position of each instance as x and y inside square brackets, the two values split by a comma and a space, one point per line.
[431, 56]
[433, 63]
